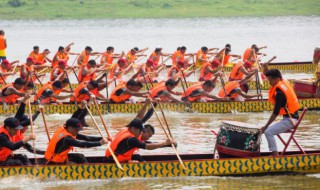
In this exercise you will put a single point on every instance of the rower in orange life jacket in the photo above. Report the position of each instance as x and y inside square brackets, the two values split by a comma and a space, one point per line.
[8, 143]
[58, 70]
[119, 69]
[163, 90]
[85, 56]
[179, 55]
[29, 68]
[107, 57]
[225, 55]
[88, 72]
[50, 93]
[40, 58]
[67, 137]
[199, 92]
[250, 54]
[4, 68]
[124, 91]
[126, 142]
[209, 70]
[59, 56]
[285, 101]
[11, 92]
[175, 69]
[156, 54]
[201, 57]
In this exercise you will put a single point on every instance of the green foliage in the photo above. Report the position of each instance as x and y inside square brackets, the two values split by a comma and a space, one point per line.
[99, 9]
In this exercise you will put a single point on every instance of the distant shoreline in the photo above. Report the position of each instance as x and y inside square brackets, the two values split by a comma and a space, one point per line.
[122, 9]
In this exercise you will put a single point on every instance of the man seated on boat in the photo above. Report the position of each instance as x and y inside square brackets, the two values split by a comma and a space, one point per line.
[5, 67]
[285, 101]
[28, 70]
[123, 92]
[210, 70]
[251, 54]
[200, 92]
[119, 69]
[164, 91]
[126, 141]
[86, 91]
[240, 70]
[132, 55]
[179, 55]
[67, 137]
[224, 55]
[107, 57]
[11, 92]
[88, 71]
[175, 71]
[59, 70]
[50, 93]
[8, 143]
[234, 91]
[156, 54]
[85, 56]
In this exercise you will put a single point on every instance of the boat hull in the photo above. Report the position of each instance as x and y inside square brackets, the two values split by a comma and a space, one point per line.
[205, 167]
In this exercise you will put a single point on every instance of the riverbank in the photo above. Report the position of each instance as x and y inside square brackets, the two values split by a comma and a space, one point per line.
[97, 9]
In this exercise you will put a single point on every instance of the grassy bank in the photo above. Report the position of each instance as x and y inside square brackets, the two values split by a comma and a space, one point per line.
[89, 9]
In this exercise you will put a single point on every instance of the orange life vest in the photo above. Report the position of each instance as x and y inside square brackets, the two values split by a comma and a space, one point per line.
[247, 54]
[231, 85]
[57, 57]
[53, 70]
[236, 74]
[85, 58]
[191, 89]
[206, 76]
[122, 97]
[200, 55]
[292, 100]
[18, 136]
[158, 88]
[4, 151]
[120, 136]
[47, 100]
[4, 77]
[30, 69]
[2, 44]
[177, 55]
[12, 98]
[131, 58]
[225, 59]
[62, 157]
[155, 58]
[87, 77]
[108, 58]
[36, 57]
[112, 71]
[79, 97]
[173, 68]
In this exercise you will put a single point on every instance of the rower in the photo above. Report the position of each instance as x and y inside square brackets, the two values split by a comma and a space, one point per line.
[3, 46]
[85, 56]
[132, 55]
[151, 71]
[29, 68]
[107, 57]
[67, 137]
[86, 91]
[125, 90]
[121, 68]
[50, 93]
[58, 70]
[234, 90]
[200, 91]
[5, 67]
[201, 56]
[242, 69]
[179, 56]
[285, 101]
[225, 55]
[88, 72]
[8, 144]
[174, 71]
[163, 90]
[126, 141]
[250, 54]
[156, 54]
[61, 55]
[40, 58]
[210, 70]
[12, 91]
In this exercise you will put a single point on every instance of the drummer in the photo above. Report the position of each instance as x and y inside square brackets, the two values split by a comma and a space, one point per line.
[285, 101]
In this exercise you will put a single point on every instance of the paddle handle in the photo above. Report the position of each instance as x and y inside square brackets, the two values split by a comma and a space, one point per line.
[32, 131]
[45, 123]
[102, 120]
[94, 121]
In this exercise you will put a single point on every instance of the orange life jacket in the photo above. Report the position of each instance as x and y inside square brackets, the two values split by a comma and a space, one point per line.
[18, 136]
[122, 97]
[292, 100]
[4, 77]
[206, 76]
[158, 88]
[191, 89]
[112, 71]
[87, 77]
[225, 59]
[4, 151]
[53, 70]
[131, 58]
[12, 98]
[247, 54]
[155, 58]
[120, 136]
[79, 97]
[62, 157]
[36, 56]
[173, 68]
[2, 44]
[108, 57]
[236, 74]
[30, 69]
[47, 100]
[231, 85]
[177, 54]
[85, 58]
[200, 55]
[60, 56]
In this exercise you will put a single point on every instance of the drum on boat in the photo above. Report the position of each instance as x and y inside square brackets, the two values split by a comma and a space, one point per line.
[237, 139]
[304, 88]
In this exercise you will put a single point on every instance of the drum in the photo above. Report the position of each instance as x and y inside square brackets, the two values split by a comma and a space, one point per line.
[237, 139]
[304, 89]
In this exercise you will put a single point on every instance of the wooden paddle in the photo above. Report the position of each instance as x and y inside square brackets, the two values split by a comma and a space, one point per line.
[44, 121]
[70, 86]
[74, 72]
[174, 148]
[225, 92]
[97, 127]
[74, 61]
[32, 132]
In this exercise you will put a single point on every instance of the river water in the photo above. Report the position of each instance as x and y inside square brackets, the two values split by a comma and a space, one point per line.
[290, 38]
